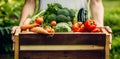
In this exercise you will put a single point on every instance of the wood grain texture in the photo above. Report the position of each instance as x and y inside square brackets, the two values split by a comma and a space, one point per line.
[16, 44]
[95, 54]
[63, 39]
[60, 47]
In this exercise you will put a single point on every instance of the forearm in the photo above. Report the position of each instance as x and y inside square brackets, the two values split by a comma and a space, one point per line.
[97, 11]
[27, 10]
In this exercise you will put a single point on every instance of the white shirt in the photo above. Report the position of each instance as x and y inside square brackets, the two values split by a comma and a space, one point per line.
[72, 4]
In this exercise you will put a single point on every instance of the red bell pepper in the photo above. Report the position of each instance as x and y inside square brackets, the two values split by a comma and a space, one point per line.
[78, 27]
[90, 25]
[97, 30]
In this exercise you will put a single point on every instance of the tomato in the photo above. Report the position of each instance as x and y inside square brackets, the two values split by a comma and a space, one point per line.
[90, 25]
[49, 30]
[39, 20]
[97, 30]
[78, 27]
[53, 23]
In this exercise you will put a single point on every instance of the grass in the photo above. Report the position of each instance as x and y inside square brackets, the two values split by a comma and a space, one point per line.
[111, 4]
[112, 18]
[112, 12]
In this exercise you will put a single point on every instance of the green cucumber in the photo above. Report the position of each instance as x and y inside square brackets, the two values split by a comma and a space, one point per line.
[82, 15]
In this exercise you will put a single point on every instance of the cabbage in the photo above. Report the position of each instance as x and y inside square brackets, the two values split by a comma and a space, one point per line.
[62, 27]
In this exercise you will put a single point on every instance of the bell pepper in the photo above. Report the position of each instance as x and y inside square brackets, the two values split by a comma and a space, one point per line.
[78, 27]
[97, 30]
[90, 25]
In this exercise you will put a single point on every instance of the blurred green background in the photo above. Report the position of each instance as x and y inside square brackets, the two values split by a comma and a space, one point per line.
[10, 14]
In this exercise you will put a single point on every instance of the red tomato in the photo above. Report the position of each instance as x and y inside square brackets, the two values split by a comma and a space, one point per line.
[53, 23]
[97, 30]
[90, 25]
[39, 20]
[78, 27]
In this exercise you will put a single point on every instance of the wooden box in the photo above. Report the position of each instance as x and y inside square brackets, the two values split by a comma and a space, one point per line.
[66, 45]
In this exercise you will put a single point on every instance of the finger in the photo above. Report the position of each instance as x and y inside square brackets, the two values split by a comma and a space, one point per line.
[13, 29]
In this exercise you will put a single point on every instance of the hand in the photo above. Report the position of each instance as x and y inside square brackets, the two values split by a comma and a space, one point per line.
[13, 30]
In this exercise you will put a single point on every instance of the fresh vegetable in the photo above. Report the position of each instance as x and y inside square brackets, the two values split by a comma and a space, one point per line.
[78, 27]
[49, 30]
[82, 15]
[40, 14]
[28, 26]
[52, 8]
[57, 5]
[71, 13]
[58, 13]
[62, 27]
[51, 17]
[35, 15]
[63, 12]
[70, 24]
[39, 30]
[53, 23]
[39, 20]
[90, 25]
[97, 30]
[61, 18]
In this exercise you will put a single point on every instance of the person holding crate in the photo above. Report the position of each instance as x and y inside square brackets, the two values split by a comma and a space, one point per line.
[96, 8]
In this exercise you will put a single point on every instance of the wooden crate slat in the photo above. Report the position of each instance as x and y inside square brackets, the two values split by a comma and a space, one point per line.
[63, 39]
[60, 47]
[94, 54]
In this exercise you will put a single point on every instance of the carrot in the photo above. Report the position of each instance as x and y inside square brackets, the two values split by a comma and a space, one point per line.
[28, 26]
[39, 30]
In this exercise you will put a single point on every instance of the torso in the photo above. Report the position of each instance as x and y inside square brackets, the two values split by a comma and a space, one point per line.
[73, 4]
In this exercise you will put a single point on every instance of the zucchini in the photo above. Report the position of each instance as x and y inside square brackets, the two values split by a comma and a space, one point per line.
[82, 15]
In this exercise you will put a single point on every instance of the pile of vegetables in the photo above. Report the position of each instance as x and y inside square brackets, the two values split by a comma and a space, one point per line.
[57, 18]
[58, 13]
[88, 26]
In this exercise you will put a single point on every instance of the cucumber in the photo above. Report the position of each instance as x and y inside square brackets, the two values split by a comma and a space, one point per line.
[82, 15]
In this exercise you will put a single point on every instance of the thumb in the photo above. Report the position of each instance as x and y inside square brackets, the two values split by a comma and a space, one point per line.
[13, 29]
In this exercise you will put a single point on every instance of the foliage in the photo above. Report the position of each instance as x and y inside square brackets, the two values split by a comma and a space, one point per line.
[9, 17]
[115, 52]
[5, 41]
[112, 19]
[10, 9]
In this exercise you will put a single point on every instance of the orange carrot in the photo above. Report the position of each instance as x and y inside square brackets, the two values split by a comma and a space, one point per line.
[28, 26]
[39, 30]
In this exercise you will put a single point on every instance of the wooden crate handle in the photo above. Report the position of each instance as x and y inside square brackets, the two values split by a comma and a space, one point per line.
[18, 30]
